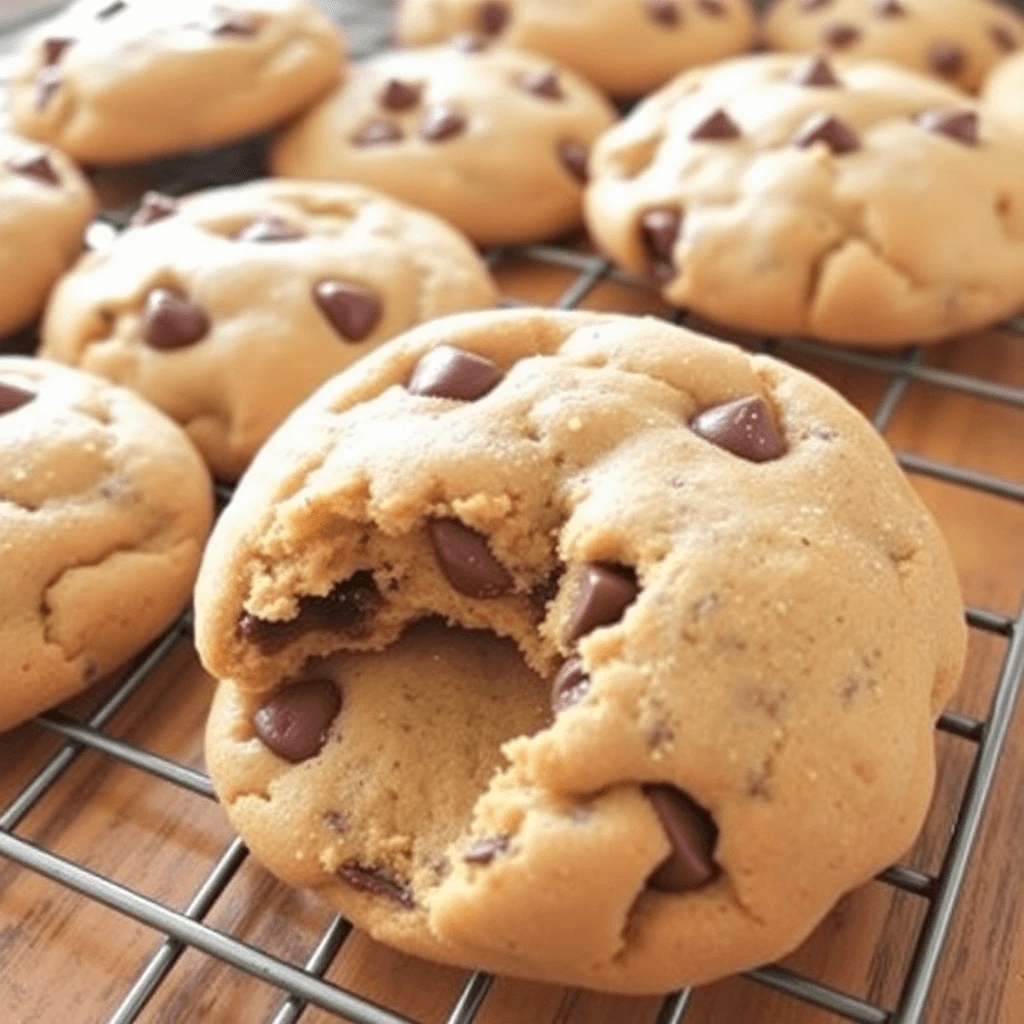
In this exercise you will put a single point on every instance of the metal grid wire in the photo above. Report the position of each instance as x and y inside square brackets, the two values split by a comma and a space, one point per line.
[304, 984]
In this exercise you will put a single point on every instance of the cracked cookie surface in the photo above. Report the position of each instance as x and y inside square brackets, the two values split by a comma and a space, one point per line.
[104, 508]
[859, 204]
[956, 41]
[228, 308]
[549, 642]
[46, 204]
[114, 81]
[625, 47]
[492, 139]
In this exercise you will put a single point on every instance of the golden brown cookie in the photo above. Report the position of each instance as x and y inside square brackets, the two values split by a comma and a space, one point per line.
[1003, 97]
[625, 47]
[104, 508]
[229, 308]
[743, 619]
[493, 140]
[113, 81]
[856, 204]
[45, 205]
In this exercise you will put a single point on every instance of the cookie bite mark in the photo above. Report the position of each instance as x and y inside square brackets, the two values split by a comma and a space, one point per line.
[352, 310]
[692, 835]
[171, 320]
[743, 427]
[295, 721]
[377, 881]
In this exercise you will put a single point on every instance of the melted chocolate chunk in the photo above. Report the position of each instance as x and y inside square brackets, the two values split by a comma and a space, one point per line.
[605, 592]
[399, 95]
[659, 231]
[816, 72]
[269, 229]
[664, 13]
[493, 16]
[712, 8]
[466, 561]
[154, 206]
[571, 685]
[1002, 38]
[295, 721]
[38, 167]
[691, 833]
[743, 427]
[441, 122]
[378, 133]
[172, 320]
[12, 397]
[53, 49]
[575, 158]
[827, 128]
[959, 125]
[483, 851]
[353, 310]
[344, 609]
[839, 35]
[448, 372]
[718, 126]
[377, 882]
[889, 9]
[946, 59]
[542, 83]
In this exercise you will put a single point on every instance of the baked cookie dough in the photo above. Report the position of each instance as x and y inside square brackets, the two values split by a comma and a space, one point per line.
[493, 140]
[45, 205]
[114, 81]
[1003, 97]
[957, 41]
[859, 204]
[229, 308]
[104, 508]
[743, 619]
[625, 47]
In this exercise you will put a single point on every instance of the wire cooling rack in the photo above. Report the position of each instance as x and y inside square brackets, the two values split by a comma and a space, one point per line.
[303, 984]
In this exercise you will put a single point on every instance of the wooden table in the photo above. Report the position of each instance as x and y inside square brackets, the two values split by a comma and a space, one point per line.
[64, 958]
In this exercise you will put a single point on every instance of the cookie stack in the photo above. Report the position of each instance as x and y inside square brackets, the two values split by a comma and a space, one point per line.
[547, 642]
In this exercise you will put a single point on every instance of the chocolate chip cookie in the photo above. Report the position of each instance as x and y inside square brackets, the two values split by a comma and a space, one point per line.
[957, 41]
[1003, 97]
[113, 81]
[625, 47]
[227, 309]
[45, 205]
[104, 508]
[492, 139]
[861, 204]
[551, 642]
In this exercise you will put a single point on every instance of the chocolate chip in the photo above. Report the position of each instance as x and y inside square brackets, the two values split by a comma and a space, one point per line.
[840, 35]
[813, 5]
[470, 42]
[227, 22]
[465, 559]
[1003, 38]
[269, 229]
[961, 125]
[295, 721]
[53, 49]
[712, 8]
[663, 12]
[115, 7]
[353, 310]
[575, 157]
[716, 127]
[946, 59]
[154, 206]
[378, 133]
[349, 604]
[659, 231]
[542, 83]
[399, 95]
[816, 72]
[172, 320]
[571, 685]
[48, 81]
[691, 834]
[440, 122]
[38, 167]
[377, 882]
[605, 592]
[493, 16]
[889, 9]
[483, 851]
[743, 427]
[828, 129]
[336, 821]
[13, 397]
[447, 372]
